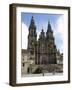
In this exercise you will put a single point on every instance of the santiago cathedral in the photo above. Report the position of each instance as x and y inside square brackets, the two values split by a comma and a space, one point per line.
[40, 53]
[45, 48]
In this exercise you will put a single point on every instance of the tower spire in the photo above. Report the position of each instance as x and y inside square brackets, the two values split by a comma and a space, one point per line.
[49, 26]
[32, 23]
[32, 36]
[49, 29]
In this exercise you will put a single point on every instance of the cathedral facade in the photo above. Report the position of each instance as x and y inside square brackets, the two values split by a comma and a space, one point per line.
[43, 50]
[41, 56]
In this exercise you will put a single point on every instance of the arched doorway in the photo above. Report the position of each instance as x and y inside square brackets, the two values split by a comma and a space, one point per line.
[43, 60]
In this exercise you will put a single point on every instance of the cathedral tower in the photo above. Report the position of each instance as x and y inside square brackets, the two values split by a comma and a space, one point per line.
[51, 47]
[32, 39]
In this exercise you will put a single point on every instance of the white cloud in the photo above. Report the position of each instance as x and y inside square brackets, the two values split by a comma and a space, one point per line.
[59, 27]
[24, 36]
[38, 33]
[61, 49]
[59, 30]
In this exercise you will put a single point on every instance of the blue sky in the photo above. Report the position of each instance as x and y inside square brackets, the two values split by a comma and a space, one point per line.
[41, 21]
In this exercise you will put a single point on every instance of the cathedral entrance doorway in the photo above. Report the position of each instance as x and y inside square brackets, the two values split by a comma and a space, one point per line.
[43, 60]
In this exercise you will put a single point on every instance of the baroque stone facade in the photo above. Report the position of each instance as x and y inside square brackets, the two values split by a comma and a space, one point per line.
[43, 49]
[41, 54]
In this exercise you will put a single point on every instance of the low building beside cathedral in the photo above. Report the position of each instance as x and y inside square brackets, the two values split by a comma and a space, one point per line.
[41, 55]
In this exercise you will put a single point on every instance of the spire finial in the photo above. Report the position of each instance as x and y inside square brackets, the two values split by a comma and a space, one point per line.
[49, 22]
[32, 17]
[32, 20]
